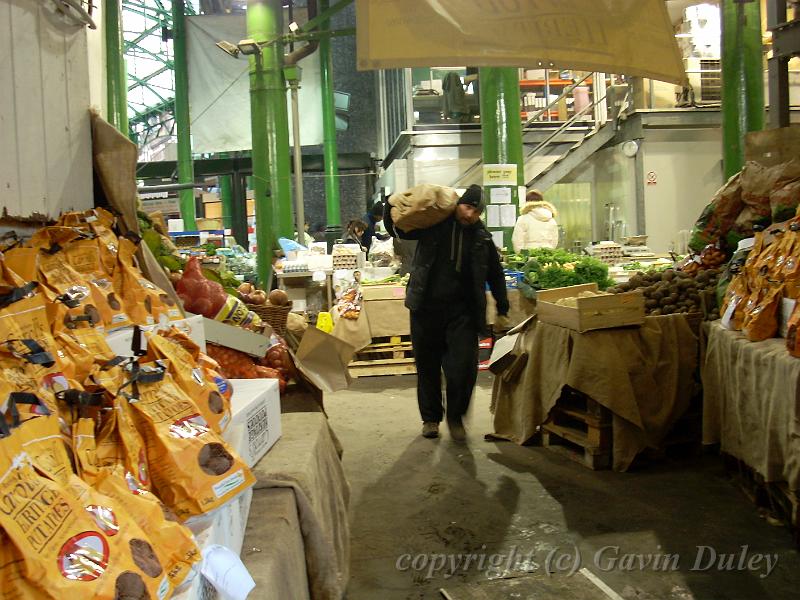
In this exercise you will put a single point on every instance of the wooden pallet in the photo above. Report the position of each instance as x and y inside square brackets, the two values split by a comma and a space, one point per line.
[580, 428]
[775, 498]
[385, 356]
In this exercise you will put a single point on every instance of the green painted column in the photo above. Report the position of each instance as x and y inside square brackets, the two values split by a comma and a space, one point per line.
[258, 28]
[277, 130]
[742, 79]
[501, 127]
[116, 91]
[226, 197]
[185, 164]
[332, 199]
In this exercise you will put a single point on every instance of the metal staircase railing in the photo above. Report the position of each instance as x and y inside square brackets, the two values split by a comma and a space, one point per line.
[567, 124]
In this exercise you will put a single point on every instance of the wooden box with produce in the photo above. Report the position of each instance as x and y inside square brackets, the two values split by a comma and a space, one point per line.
[584, 308]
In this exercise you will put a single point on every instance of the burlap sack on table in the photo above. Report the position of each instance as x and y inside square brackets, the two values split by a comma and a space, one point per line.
[422, 206]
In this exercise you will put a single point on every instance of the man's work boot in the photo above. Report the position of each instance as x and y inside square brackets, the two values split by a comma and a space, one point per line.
[457, 431]
[430, 429]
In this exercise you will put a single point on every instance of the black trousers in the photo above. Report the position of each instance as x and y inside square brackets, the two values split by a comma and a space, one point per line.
[444, 340]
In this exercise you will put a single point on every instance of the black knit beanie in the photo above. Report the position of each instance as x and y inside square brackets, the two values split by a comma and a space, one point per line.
[474, 197]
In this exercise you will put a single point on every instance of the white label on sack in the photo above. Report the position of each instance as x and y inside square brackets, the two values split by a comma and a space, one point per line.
[229, 484]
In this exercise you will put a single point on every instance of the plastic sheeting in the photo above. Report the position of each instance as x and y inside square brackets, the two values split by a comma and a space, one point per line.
[632, 37]
[219, 88]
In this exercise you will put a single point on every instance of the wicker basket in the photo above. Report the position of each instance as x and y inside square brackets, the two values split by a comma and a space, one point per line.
[275, 316]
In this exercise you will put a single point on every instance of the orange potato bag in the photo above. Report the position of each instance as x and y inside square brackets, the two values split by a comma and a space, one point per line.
[192, 379]
[193, 469]
[75, 542]
[173, 543]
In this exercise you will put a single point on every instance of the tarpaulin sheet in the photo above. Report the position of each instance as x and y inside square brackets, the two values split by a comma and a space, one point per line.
[219, 88]
[631, 37]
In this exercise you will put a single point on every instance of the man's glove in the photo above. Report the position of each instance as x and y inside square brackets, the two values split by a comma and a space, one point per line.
[502, 323]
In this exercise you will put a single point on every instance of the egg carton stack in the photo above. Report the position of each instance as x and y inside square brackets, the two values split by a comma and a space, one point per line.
[607, 252]
[347, 256]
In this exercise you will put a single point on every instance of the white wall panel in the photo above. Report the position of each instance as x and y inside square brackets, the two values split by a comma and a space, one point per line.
[44, 123]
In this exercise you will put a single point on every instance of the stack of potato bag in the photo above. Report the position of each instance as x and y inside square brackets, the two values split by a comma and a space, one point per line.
[107, 464]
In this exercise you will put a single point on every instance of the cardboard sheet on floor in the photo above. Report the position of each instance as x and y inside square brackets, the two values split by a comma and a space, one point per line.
[305, 460]
[643, 375]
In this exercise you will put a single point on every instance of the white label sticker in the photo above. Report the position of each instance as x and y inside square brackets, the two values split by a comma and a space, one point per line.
[257, 431]
[229, 484]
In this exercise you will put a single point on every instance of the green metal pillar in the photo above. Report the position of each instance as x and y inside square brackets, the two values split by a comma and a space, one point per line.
[185, 164]
[332, 202]
[501, 126]
[116, 109]
[259, 19]
[226, 198]
[742, 79]
[277, 131]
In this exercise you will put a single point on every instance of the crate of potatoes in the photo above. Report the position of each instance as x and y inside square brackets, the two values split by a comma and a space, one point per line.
[584, 307]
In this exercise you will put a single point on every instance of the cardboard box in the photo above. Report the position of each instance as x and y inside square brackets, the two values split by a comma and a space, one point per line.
[208, 224]
[387, 317]
[213, 210]
[255, 418]
[209, 197]
[231, 336]
[599, 312]
[383, 292]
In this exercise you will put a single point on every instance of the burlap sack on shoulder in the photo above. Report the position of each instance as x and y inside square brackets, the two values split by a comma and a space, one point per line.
[422, 206]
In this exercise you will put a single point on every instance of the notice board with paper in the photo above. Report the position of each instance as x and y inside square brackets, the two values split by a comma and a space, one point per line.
[634, 37]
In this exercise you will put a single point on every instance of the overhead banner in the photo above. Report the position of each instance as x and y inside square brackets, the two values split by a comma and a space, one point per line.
[630, 37]
[219, 88]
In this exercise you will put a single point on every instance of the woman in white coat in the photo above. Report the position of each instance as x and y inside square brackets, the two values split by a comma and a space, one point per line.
[536, 226]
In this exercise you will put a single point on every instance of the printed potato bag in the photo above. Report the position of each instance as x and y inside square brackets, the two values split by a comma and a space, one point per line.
[144, 302]
[192, 379]
[761, 323]
[173, 543]
[13, 584]
[75, 542]
[193, 469]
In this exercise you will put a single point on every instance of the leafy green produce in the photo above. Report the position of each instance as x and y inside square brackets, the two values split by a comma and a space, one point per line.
[591, 270]
[554, 276]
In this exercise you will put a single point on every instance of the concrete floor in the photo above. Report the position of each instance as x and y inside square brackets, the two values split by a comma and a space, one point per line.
[419, 507]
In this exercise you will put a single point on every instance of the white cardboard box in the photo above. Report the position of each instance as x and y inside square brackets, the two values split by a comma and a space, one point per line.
[255, 418]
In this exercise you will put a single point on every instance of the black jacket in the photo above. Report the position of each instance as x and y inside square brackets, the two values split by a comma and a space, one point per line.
[484, 266]
[366, 239]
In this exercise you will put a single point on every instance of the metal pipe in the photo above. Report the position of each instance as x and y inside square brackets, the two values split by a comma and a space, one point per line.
[185, 164]
[295, 56]
[300, 211]
[742, 79]
[260, 26]
[332, 201]
[277, 125]
[226, 199]
[114, 81]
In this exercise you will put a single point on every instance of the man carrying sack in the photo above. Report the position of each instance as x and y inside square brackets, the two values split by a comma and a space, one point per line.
[455, 258]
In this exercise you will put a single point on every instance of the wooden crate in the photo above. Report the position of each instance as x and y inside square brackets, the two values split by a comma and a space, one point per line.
[385, 356]
[775, 498]
[599, 312]
[580, 428]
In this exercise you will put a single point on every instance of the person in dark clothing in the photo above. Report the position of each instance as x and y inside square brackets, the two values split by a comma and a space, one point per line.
[319, 233]
[446, 296]
[355, 233]
[372, 218]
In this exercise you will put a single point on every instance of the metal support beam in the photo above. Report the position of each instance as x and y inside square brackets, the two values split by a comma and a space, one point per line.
[501, 124]
[185, 166]
[322, 19]
[260, 26]
[332, 201]
[785, 44]
[115, 82]
[300, 209]
[239, 210]
[226, 199]
[742, 79]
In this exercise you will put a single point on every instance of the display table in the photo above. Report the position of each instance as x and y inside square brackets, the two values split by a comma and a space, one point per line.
[643, 375]
[297, 541]
[752, 403]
